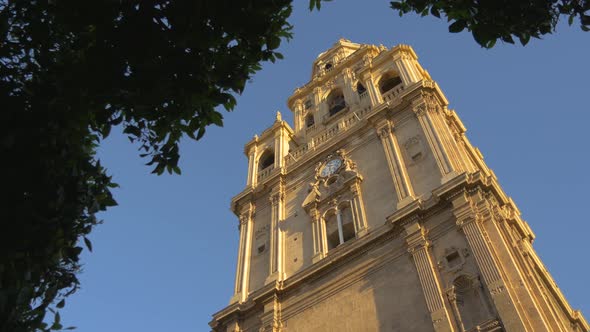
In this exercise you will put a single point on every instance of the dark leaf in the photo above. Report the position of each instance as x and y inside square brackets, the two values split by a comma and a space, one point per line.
[457, 26]
[88, 244]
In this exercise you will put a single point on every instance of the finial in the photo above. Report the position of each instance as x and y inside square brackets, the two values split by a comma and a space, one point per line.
[279, 117]
[255, 137]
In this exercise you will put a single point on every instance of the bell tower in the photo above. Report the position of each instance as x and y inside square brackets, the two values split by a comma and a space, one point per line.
[375, 213]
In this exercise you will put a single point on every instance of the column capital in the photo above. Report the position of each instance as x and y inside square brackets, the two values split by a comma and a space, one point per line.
[298, 104]
[246, 213]
[276, 197]
[416, 237]
[314, 214]
[355, 189]
[383, 129]
[420, 110]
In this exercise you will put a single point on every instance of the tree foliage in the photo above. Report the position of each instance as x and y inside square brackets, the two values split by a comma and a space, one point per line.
[69, 72]
[490, 20]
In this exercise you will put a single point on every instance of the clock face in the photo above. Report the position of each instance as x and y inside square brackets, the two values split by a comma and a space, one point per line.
[331, 167]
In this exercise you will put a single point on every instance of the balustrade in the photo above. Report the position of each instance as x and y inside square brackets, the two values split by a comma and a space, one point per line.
[265, 172]
[393, 93]
[345, 122]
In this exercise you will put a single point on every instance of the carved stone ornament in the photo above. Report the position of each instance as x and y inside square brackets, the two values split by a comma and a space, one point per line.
[343, 178]
[384, 131]
[276, 197]
[367, 59]
[420, 110]
[330, 84]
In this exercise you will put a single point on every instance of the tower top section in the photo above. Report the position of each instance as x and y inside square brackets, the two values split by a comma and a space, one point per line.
[338, 52]
[349, 77]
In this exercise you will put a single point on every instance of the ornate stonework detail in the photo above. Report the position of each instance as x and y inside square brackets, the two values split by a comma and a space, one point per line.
[384, 131]
[420, 110]
[414, 149]
[412, 141]
[275, 198]
[367, 59]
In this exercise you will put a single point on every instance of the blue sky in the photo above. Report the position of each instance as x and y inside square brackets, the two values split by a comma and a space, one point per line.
[164, 259]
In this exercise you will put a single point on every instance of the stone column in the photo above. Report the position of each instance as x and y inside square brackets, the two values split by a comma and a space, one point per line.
[244, 253]
[252, 165]
[406, 68]
[403, 187]
[418, 247]
[468, 222]
[339, 222]
[373, 90]
[514, 277]
[358, 210]
[434, 141]
[281, 147]
[347, 89]
[276, 243]
[318, 243]
[233, 326]
[438, 117]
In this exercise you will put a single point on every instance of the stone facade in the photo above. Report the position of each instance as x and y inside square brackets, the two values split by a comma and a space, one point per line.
[375, 213]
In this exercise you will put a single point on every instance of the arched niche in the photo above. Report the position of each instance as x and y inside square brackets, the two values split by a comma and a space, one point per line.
[469, 302]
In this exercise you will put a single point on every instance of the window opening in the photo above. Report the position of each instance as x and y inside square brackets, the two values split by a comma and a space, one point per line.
[360, 89]
[339, 227]
[267, 159]
[389, 82]
[347, 224]
[332, 232]
[309, 120]
[336, 102]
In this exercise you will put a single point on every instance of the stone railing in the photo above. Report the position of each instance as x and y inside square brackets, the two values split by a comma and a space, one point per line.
[393, 93]
[317, 141]
[363, 95]
[311, 129]
[263, 173]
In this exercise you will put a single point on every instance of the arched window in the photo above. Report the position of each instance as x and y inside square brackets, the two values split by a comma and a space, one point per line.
[309, 120]
[266, 160]
[339, 226]
[388, 82]
[336, 102]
